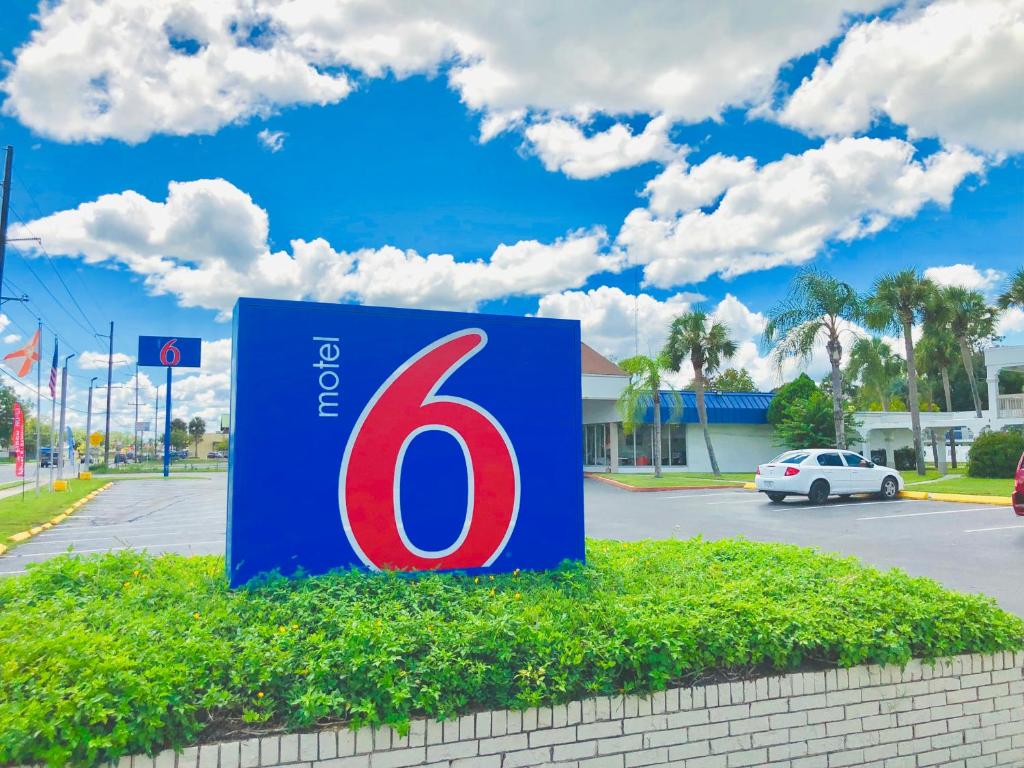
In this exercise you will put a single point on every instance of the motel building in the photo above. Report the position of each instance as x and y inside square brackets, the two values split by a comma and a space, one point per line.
[737, 422]
[885, 432]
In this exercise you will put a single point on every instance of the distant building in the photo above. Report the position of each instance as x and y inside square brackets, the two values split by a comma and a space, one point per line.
[887, 432]
[737, 422]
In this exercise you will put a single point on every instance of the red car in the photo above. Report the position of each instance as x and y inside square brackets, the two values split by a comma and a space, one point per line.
[1018, 489]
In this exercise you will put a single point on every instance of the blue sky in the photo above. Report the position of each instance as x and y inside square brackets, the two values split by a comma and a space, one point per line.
[394, 156]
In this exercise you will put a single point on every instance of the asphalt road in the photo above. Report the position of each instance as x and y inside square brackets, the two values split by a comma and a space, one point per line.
[972, 548]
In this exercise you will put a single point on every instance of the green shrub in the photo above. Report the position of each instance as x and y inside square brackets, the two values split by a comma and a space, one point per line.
[126, 652]
[996, 454]
[903, 459]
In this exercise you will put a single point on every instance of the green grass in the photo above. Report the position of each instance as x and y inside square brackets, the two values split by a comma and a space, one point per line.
[680, 478]
[981, 486]
[127, 652]
[17, 514]
[181, 465]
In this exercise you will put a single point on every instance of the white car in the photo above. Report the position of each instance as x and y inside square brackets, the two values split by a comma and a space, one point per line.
[818, 473]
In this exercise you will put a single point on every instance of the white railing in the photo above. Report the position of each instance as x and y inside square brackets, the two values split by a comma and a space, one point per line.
[1011, 406]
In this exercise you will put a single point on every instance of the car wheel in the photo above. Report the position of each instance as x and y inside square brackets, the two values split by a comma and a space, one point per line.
[776, 496]
[819, 492]
[890, 488]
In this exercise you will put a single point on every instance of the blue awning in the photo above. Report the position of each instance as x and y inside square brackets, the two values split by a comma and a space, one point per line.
[722, 408]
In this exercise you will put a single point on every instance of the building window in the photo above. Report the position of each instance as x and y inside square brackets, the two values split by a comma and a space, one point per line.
[637, 448]
[595, 445]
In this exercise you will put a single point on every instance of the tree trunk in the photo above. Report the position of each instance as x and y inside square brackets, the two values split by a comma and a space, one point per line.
[944, 372]
[657, 433]
[835, 355]
[965, 353]
[915, 406]
[883, 400]
[698, 382]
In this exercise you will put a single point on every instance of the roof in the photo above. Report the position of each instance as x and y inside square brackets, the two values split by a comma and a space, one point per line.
[596, 364]
[722, 407]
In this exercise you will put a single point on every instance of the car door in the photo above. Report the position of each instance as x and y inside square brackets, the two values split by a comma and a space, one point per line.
[861, 477]
[831, 467]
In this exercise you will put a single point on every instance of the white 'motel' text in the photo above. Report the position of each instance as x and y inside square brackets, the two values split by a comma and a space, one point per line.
[328, 379]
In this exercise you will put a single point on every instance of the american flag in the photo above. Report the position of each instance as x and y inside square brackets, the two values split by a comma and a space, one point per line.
[53, 371]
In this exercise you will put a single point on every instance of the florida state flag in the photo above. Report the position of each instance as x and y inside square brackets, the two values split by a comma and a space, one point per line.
[18, 441]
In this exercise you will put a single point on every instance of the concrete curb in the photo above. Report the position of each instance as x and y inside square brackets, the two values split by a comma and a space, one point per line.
[636, 489]
[963, 498]
[26, 535]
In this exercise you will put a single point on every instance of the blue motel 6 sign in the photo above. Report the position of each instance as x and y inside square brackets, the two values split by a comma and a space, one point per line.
[402, 440]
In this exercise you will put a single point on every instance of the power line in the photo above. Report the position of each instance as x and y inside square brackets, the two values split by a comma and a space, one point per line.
[52, 295]
[56, 271]
[19, 178]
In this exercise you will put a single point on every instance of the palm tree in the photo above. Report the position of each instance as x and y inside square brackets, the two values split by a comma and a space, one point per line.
[705, 341]
[1013, 296]
[873, 361]
[645, 381]
[817, 309]
[971, 320]
[937, 352]
[897, 301]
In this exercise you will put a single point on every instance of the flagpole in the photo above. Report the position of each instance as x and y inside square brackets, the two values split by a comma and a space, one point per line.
[39, 398]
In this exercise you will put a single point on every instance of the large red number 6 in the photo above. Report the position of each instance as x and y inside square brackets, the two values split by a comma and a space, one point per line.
[170, 355]
[405, 406]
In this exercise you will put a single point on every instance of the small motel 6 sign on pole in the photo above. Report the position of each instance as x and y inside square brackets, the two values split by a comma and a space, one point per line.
[169, 352]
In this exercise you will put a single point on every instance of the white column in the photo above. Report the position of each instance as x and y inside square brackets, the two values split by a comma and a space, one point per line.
[993, 393]
[613, 446]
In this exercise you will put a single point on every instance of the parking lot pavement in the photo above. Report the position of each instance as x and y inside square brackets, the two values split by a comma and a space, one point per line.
[971, 548]
[183, 516]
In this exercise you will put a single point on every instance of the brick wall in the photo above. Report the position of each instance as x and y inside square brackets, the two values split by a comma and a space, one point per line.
[966, 711]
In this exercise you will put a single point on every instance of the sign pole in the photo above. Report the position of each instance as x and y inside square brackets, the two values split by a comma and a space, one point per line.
[167, 427]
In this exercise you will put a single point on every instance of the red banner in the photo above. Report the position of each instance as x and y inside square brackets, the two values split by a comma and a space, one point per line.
[18, 441]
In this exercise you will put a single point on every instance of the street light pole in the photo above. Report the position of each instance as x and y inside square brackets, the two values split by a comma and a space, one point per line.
[88, 427]
[110, 374]
[63, 411]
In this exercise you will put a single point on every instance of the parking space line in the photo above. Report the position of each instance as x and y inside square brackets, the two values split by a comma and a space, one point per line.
[997, 528]
[14, 555]
[926, 514]
[659, 497]
[841, 504]
[127, 535]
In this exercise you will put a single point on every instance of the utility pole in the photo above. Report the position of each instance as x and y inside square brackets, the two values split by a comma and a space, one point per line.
[110, 375]
[5, 201]
[88, 427]
[63, 410]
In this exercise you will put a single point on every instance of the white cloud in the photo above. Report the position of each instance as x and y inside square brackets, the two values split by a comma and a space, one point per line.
[562, 146]
[606, 322]
[272, 140]
[90, 361]
[126, 70]
[10, 338]
[680, 188]
[606, 316]
[950, 69]
[786, 211]
[207, 244]
[1011, 322]
[966, 275]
